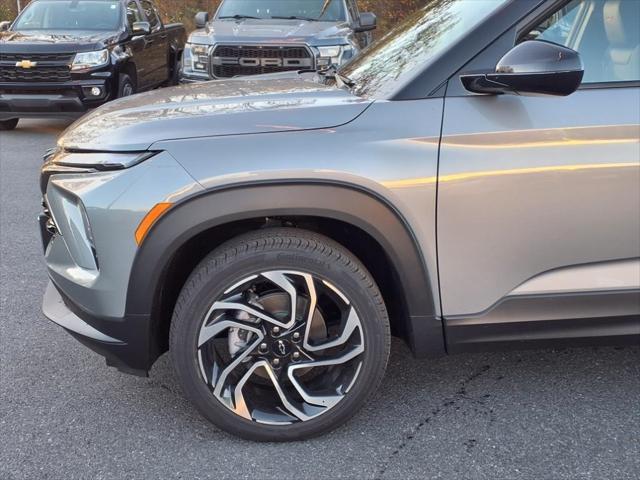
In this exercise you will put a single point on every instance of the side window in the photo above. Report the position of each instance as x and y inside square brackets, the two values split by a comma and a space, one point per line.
[133, 14]
[152, 15]
[606, 34]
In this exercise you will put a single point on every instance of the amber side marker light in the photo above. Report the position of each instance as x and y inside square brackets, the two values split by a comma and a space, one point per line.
[150, 218]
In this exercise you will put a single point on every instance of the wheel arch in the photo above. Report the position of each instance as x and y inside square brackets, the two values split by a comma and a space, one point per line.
[357, 218]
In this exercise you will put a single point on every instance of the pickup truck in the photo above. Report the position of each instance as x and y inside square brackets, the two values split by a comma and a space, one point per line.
[253, 37]
[61, 58]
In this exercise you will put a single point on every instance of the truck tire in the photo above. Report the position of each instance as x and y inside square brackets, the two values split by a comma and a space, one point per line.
[126, 87]
[280, 335]
[9, 124]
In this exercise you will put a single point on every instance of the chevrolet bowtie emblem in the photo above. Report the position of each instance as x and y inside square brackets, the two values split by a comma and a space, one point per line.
[26, 64]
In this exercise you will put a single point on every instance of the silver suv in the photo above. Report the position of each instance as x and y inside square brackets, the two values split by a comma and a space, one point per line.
[471, 181]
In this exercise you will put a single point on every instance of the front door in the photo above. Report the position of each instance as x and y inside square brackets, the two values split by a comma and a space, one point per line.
[157, 46]
[539, 197]
[137, 45]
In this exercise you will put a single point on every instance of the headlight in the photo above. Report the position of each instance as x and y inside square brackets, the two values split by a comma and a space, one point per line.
[334, 55]
[87, 60]
[196, 58]
[98, 160]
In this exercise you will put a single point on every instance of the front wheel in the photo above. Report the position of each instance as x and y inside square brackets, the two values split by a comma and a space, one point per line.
[280, 335]
[126, 87]
[9, 124]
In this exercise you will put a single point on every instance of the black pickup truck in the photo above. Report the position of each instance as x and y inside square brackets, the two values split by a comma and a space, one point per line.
[60, 58]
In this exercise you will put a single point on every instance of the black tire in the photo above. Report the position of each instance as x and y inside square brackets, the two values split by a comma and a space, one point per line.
[279, 249]
[9, 124]
[126, 86]
[174, 73]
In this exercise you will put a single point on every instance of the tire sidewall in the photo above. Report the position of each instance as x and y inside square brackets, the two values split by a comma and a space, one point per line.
[198, 302]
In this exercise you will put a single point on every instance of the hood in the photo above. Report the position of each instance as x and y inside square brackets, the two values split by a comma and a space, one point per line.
[56, 41]
[272, 30]
[229, 107]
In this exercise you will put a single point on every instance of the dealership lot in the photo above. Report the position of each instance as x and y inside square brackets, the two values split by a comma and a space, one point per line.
[571, 413]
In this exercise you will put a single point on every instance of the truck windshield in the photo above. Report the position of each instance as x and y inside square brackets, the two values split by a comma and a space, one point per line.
[70, 15]
[401, 54]
[314, 10]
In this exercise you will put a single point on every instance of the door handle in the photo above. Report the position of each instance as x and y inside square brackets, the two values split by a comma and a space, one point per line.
[163, 37]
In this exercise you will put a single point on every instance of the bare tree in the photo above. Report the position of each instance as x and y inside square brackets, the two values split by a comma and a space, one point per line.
[19, 6]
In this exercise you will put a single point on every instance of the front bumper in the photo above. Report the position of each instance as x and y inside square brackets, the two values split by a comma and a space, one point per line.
[123, 342]
[69, 99]
[88, 229]
[187, 80]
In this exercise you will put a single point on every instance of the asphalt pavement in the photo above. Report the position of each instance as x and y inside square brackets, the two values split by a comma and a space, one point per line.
[550, 414]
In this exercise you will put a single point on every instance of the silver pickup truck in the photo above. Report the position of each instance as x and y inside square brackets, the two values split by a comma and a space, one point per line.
[472, 180]
[249, 37]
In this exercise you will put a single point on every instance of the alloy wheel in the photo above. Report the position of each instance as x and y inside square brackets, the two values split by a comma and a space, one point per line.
[280, 347]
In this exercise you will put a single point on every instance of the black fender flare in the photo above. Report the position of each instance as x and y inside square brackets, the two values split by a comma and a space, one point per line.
[351, 204]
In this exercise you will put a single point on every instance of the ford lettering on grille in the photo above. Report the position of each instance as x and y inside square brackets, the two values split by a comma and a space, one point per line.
[234, 60]
[263, 62]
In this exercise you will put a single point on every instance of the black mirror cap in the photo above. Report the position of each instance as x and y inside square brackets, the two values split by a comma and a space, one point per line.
[202, 18]
[4, 26]
[537, 56]
[532, 68]
[368, 22]
[141, 28]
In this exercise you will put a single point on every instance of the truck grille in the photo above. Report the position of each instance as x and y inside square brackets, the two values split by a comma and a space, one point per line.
[38, 74]
[37, 57]
[233, 60]
[49, 67]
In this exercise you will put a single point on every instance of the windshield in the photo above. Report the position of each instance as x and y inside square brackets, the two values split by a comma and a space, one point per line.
[320, 10]
[398, 56]
[70, 15]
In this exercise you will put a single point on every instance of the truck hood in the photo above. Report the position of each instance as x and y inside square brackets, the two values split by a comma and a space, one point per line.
[229, 107]
[56, 41]
[270, 31]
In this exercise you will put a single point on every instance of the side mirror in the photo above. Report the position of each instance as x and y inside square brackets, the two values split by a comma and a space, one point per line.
[202, 18]
[4, 26]
[368, 22]
[531, 68]
[141, 28]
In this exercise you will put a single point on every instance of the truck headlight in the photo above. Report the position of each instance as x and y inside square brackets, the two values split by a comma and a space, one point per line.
[87, 60]
[334, 55]
[97, 160]
[196, 58]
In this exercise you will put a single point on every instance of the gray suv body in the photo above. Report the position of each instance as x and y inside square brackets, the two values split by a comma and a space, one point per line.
[274, 231]
[245, 38]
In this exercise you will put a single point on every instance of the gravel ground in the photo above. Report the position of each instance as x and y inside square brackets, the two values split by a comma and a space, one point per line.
[551, 414]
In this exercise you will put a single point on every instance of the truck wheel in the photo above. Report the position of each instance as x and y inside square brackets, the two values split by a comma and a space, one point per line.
[126, 86]
[9, 124]
[280, 335]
